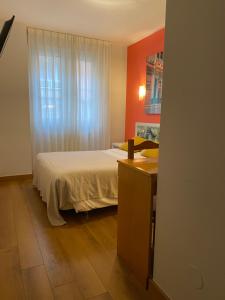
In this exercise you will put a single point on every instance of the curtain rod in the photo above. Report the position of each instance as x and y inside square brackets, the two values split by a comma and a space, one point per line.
[73, 34]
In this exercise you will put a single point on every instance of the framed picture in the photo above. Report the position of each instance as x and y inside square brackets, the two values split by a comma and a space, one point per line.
[154, 77]
[148, 131]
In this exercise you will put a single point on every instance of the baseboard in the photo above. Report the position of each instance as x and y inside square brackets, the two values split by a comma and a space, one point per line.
[155, 292]
[16, 177]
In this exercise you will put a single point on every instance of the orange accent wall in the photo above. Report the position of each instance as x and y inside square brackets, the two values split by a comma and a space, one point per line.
[136, 76]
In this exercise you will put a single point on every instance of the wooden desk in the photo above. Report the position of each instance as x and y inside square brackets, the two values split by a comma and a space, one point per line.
[137, 185]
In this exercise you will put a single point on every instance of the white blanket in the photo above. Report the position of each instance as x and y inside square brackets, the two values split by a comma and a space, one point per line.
[82, 180]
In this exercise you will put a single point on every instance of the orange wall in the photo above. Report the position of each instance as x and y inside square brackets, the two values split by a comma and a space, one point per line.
[136, 76]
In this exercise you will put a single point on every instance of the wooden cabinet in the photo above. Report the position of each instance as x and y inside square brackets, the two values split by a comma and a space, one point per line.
[137, 185]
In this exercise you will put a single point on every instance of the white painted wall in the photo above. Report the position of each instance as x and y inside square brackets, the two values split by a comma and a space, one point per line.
[190, 234]
[15, 143]
[118, 92]
[15, 147]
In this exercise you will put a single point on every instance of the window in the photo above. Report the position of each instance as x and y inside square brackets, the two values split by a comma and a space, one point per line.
[69, 85]
[50, 88]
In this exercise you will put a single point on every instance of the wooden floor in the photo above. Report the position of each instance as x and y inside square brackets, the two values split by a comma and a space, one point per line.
[74, 261]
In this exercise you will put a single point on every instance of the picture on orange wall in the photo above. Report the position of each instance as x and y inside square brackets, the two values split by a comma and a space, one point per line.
[154, 78]
[148, 131]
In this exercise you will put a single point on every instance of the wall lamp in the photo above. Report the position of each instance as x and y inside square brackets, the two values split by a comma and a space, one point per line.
[142, 92]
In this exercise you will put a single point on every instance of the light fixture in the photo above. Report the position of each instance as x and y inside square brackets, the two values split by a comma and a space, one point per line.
[142, 92]
[115, 2]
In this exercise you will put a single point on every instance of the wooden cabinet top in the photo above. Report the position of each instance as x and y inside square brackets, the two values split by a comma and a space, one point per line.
[148, 166]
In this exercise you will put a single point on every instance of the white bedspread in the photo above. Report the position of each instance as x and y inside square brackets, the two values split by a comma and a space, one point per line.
[82, 180]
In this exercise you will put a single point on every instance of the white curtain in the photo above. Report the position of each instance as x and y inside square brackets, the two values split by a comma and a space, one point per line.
[69, 91]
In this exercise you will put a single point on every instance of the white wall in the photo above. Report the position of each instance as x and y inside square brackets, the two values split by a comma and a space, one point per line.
[15, 147]
[190, 234]
[118, 92]
[15, 144]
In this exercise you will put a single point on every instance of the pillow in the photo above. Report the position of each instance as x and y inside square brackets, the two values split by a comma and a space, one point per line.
[154, 153]
[137, 140]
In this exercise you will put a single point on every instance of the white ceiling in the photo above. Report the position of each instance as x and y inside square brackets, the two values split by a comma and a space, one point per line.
[125, 21]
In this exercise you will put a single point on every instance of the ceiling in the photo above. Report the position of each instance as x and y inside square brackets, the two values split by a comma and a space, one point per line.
[124, 21]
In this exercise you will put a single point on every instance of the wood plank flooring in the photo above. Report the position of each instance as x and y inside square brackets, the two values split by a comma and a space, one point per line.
[74, 261]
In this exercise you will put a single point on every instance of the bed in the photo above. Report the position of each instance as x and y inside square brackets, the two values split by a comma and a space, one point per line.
[80, 180]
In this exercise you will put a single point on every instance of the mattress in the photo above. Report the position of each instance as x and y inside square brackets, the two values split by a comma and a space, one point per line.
[82, 180]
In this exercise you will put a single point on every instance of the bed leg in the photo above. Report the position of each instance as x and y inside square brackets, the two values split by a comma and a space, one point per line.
[87, 215]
